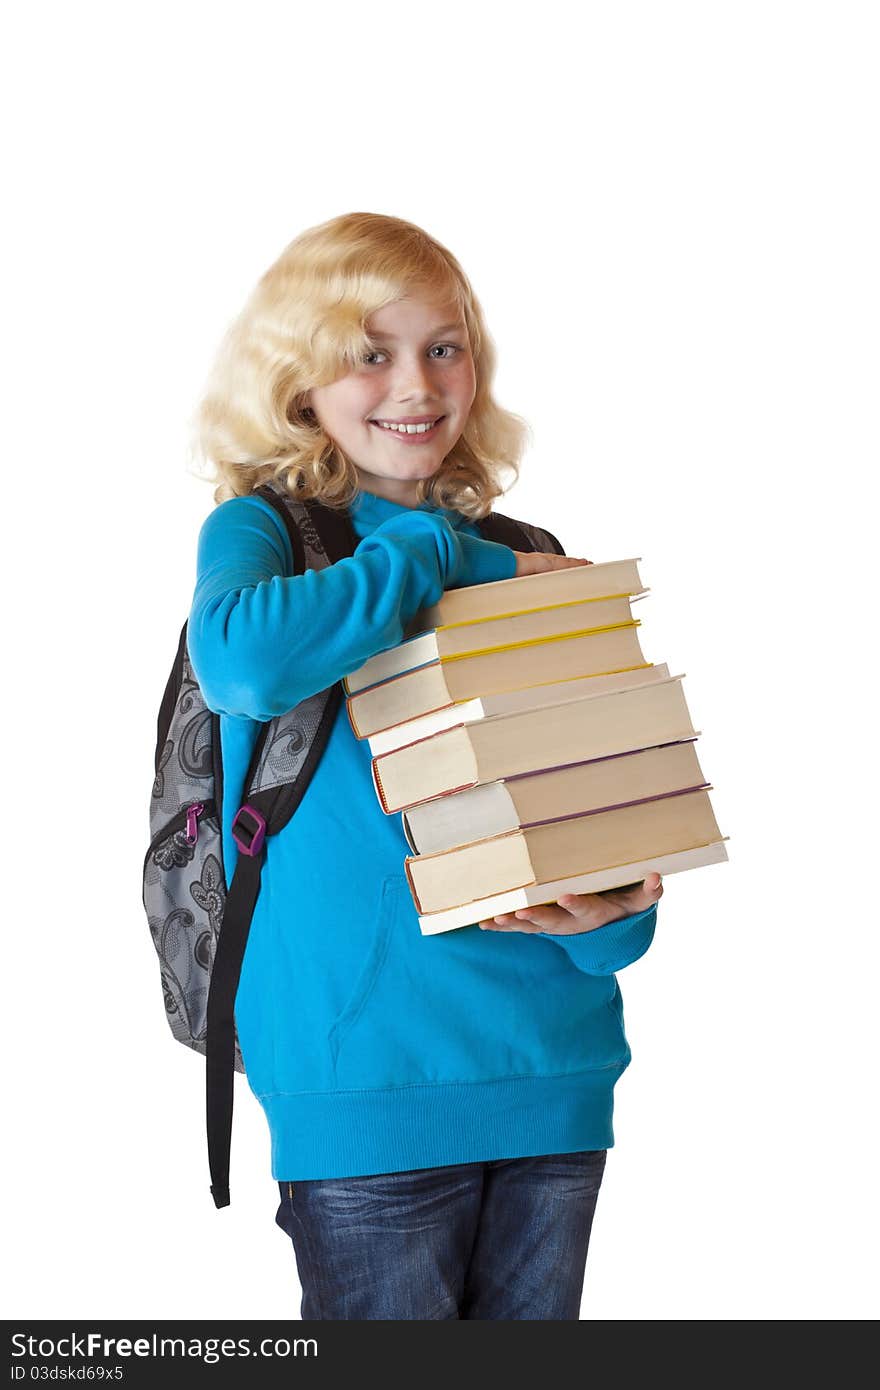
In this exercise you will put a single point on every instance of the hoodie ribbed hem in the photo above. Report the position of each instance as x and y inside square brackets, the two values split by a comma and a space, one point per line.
[345, 1134]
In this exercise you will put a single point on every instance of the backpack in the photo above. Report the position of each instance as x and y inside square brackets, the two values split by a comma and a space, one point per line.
[199, 929]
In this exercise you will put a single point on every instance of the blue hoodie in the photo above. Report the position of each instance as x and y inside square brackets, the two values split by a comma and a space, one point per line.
[371, 1047]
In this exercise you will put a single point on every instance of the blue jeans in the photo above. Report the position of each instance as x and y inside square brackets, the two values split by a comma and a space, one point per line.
[506, 1239]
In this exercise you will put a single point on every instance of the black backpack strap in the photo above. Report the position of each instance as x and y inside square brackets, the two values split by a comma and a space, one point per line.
[504, 531]
[333, 525]
[264, 813]
[519, 535]
[249, 834]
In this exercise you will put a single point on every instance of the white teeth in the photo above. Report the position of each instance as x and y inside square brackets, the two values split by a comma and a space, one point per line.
[407, 429]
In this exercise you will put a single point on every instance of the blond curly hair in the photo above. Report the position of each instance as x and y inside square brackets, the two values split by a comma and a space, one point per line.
[303, 326]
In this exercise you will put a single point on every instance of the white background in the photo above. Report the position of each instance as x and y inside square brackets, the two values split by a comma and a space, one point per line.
[670, 215]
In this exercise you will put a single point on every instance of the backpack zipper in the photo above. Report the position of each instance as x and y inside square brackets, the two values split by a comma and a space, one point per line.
[188, 816]
[192, 821]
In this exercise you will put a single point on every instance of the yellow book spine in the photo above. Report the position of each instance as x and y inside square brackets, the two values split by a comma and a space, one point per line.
[538, 641]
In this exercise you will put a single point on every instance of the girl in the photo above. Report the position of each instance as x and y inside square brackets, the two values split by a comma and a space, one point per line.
[439, 1107]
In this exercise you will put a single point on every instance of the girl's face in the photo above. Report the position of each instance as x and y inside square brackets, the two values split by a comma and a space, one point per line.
[421, 371]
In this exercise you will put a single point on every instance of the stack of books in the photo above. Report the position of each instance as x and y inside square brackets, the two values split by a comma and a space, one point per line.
[530, 748]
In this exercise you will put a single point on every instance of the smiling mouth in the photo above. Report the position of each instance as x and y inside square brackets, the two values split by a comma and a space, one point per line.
[419, 420]
[410, 433]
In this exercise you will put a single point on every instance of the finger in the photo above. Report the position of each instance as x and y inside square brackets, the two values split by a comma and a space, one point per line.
[637, 896]
[546, 916]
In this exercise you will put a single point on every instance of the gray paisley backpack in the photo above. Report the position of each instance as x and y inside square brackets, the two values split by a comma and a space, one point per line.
[199, 928]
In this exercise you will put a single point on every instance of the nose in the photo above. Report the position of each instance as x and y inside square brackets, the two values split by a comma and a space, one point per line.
[414, 379]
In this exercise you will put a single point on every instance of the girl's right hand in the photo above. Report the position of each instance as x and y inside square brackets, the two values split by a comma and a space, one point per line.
[534, 561]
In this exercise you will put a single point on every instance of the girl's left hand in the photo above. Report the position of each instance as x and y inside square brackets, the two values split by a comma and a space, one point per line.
[579, 912]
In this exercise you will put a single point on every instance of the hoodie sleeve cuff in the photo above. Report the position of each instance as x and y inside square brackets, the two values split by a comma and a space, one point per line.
[605, 950]
[483, 562]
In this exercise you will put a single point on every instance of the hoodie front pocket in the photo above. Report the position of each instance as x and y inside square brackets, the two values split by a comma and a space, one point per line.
[384, 917]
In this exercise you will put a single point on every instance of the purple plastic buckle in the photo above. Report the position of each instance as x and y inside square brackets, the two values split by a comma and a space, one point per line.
[256, 833]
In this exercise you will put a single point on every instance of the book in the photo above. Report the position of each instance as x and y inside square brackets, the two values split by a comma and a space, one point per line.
[551, 795]
[598, 881]
[577, 845]
[532, 740]
[490, 634]
[451, 679]
[508, 702]
[504, 597]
